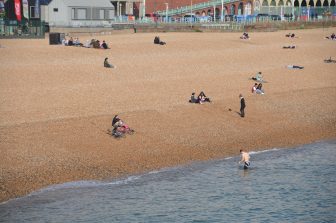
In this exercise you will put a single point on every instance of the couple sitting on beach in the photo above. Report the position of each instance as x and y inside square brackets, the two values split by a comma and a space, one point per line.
[291, 35]
[200, 99]
[329, 60]
[331, 37]
[158, 41]
[245, 36]
[257, 88]
[119, 127]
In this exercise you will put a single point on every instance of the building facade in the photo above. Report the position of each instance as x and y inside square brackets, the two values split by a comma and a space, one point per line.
[80, 13]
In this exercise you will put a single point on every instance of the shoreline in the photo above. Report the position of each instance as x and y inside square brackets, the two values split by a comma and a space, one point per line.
[57, 103]
[94, 182]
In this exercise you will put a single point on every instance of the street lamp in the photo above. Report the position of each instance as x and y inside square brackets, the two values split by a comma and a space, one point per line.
[166, 12]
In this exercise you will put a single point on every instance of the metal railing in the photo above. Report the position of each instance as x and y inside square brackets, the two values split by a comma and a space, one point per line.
[194, 7]
[24, 29]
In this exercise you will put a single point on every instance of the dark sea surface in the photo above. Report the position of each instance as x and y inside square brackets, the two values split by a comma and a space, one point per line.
[282, 185]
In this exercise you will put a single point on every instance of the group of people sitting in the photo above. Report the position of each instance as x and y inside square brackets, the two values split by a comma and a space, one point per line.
[291, 35]
[331, 37]
[245, 36]
[71, 42]
[158, 41]
[89, 44]
[96, 44]
[200, 99]
[257, 89]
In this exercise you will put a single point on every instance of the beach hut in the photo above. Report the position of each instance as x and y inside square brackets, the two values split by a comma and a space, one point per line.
[80, 13]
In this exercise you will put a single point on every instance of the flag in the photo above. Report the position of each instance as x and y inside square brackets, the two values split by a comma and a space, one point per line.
[25, 9]
[17, 5]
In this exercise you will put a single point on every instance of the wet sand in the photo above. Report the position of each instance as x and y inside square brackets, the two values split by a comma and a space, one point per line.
[56, 103]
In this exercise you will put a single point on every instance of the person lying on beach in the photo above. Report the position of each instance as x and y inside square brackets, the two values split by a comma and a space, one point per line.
[330, 61]
[258, 77]
[331, 37]
[289, 47]
[158, 41]
[294, 67]
[291, 35]
[107, 64]
[202, 98]
[245, 36]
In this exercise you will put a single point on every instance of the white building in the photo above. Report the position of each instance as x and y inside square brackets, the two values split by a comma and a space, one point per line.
[80, 13]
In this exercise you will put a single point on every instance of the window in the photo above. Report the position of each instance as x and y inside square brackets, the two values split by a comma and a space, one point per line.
[81, 13]
[78, 14]
[55, 9]
[34, 12]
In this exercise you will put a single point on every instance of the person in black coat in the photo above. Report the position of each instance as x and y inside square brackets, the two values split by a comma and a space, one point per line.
[242, 106]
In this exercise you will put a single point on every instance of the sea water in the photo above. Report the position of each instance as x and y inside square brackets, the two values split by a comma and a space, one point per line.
[282, 185]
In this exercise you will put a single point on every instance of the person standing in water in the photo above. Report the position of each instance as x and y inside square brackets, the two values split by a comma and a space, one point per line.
[245, 158]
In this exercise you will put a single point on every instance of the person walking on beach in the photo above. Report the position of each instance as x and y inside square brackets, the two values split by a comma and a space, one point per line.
[245, 158]
[242, 106]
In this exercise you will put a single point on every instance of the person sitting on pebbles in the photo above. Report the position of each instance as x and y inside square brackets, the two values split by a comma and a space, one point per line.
[107, 64]
[202, 98]
[258, 77]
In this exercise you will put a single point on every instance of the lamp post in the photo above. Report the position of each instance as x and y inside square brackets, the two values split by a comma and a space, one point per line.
[166, 12]
[222, 14]
[144, 9]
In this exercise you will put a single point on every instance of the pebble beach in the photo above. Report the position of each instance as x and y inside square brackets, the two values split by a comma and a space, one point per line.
[57, 102]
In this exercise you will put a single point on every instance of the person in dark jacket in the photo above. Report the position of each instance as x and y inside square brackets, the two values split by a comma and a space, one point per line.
[242, 106]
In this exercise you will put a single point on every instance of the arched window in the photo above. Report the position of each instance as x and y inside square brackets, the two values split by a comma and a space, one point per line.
[289, 3]
[197, 13]
[311, 3]
[273, 3]
[303, 3]
[203, 13]
[225, 10]
[240, 9]
[265, 3]
[249, 8]
[233, 9]
[332, 3]
[325, 3]
[296, 3]
[318, 3]
[209, 12]
[280, 3]
[217, 12]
